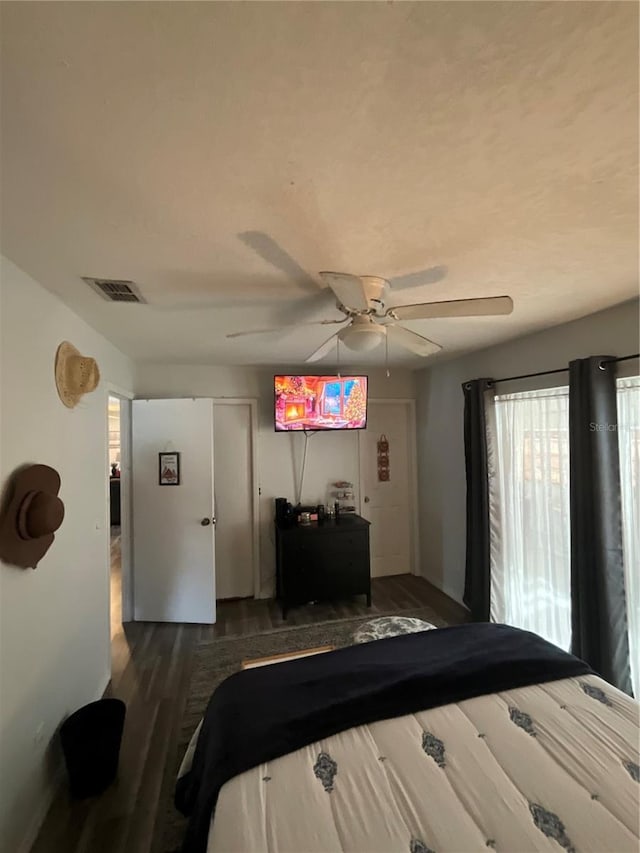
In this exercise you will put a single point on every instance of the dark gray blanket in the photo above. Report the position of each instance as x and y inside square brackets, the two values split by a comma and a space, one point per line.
[260, 714]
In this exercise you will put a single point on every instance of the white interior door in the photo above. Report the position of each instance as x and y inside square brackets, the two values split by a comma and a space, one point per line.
[387, 505]
[173, 530]
[234, 505]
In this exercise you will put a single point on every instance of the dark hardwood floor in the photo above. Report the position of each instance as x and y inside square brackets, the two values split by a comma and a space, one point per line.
[151, 667]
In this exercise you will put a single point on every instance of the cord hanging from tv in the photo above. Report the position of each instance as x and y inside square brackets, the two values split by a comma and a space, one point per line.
[324, 402]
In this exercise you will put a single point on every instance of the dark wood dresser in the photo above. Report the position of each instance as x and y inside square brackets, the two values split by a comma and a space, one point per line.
[322, 561]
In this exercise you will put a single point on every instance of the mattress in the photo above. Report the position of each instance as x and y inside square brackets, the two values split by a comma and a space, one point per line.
[546, 767]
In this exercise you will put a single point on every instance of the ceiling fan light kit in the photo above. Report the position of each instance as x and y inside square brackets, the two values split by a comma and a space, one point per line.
[363, 301]
[362, 334]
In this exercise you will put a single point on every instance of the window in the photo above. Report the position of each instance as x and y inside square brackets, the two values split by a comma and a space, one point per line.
[336, 396]
[629, 449]
[529, 499]
[332, 401]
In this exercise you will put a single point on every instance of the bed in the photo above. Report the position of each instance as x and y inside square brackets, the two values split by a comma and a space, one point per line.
[501, 741]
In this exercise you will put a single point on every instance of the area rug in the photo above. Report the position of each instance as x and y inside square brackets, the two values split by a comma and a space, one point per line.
[216, 660]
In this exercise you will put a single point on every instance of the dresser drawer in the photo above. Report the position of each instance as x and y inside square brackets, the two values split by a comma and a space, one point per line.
[303, 583]
[298, 554]
[347, 575]
[348, 542]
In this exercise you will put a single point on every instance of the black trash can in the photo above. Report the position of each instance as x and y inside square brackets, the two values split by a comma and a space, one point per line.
[91, 740]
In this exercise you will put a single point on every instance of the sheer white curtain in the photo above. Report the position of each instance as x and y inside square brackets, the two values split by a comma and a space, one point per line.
[529, 513]
[629, 447]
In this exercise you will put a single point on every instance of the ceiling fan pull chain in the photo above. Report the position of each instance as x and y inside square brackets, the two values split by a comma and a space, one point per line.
[338, 357]
[386, 355]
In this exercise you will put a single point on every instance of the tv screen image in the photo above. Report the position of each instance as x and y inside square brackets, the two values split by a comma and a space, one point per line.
[320, 402]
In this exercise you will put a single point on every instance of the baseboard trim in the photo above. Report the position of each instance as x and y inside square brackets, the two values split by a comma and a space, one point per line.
[456, 610]
[56, 783]
[40, 814]
[451, 596]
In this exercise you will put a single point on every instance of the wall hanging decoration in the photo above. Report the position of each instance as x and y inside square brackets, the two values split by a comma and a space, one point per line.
[169, 469]
[383, 459]
[76, 374]
[32, 515]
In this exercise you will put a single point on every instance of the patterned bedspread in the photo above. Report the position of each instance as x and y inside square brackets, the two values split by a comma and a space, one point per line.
[547, 767]
[259, 715]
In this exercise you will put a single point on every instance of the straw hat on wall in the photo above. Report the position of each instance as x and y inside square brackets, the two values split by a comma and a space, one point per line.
[76, 374]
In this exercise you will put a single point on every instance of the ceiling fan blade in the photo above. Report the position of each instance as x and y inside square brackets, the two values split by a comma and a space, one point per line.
[411, 340]
[266, 248]
[286, 326]
[484, 307]
[419, 278]
[323, 349]
[316, 298]
[348, 288]
[323, 301]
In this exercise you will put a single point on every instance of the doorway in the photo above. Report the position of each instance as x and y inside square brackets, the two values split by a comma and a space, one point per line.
[118, 479]
[115, 540]
[390, 504]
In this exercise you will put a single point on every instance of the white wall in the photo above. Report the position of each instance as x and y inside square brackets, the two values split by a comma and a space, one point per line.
[54, 622]
[441, 474]
[330, 456]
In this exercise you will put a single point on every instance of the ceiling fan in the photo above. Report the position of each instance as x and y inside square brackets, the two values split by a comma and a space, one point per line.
[369, 320]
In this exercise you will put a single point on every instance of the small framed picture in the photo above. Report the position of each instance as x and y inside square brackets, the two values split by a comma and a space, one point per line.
[169, 469]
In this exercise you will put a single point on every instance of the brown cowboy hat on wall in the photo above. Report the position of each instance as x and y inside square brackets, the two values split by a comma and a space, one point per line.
[76, 374]
[32, 515]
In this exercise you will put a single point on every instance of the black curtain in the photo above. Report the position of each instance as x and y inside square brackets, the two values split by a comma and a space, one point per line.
[477, 581]
[599, 614]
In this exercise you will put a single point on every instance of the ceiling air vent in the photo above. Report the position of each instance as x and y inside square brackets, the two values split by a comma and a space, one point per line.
[114, 290]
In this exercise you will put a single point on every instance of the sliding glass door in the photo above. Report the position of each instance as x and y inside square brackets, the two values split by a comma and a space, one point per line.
[529, 509]
[528, 439]
[629, 447]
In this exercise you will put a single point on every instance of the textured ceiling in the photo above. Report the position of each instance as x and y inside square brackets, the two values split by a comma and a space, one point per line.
[220, 154]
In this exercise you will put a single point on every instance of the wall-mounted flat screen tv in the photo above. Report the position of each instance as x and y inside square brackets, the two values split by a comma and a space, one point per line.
[320, 402]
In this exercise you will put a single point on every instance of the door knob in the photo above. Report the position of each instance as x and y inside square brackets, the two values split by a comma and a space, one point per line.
[366, 500]
[205, 522]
